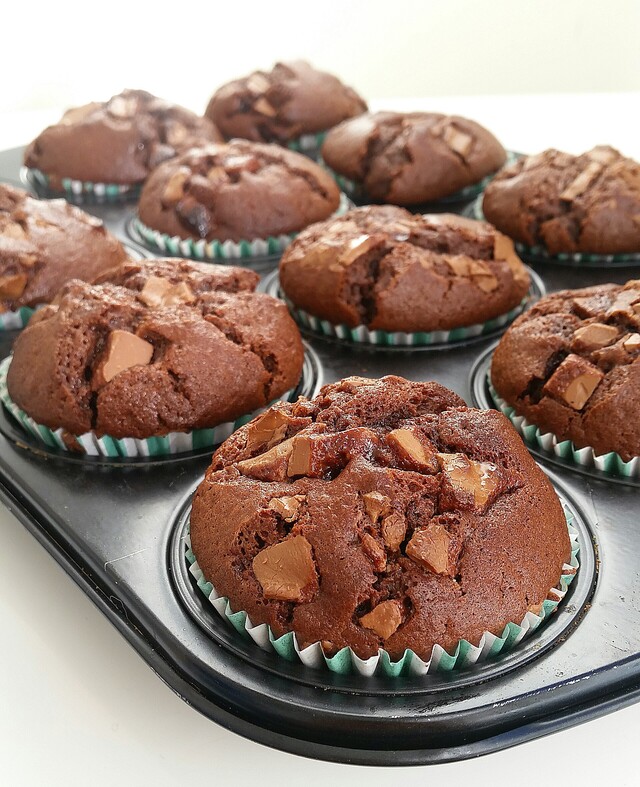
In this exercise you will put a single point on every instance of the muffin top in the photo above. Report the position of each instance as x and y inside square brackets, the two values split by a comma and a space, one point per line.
[385, 268]
[117, 141]
[170, 349]
[382, 514]
[565, 203]
[571, 365]
[237, 191]
[45, 243]
[411, 158]
[279, 105]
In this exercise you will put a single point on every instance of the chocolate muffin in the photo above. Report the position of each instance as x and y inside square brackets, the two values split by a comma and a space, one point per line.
[571, 365]
[382, 514]
[44, 244]
[237, 191]
[173, 347]
[118, 141]
[565, 203]
[412, 158]
[283, 104]
[383, 267]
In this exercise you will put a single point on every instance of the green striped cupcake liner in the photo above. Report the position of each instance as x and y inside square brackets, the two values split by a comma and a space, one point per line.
[308, 144]
[346, 662]
[364, 336]
[13, 321]
[217, 251]
[354, 189]
[125, 447]
[79, 189]
[540, 254]
[611, 463]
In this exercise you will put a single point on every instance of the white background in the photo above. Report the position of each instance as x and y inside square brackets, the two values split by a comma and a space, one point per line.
[77, 704]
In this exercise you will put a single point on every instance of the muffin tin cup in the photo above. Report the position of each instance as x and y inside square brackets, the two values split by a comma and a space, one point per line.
[538, 254]
[217, 251]
[80, 191]
[363, 336]
[346, 662]
[547, 444]
[170, 444]
[14, 321]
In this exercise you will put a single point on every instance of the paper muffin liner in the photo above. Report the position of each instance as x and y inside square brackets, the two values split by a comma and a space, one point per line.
[379, 338]
[219, 251]
[355, 190]
[611, 463]
[81, 189]
[126, 447]
[13, 321]
[308, 144]
[540, 254]
[346, 662]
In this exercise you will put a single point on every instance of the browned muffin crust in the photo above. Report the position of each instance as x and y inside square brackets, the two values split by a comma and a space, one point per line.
[165, 352]
[44, 244]
[237, 191]
[282, 104]
[117, 141]
[565, 203]
[388, 269]
[382, 514]
[411, 158]
[571, 365]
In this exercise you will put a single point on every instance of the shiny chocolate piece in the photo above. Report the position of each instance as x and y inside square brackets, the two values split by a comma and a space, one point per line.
[384, 619]
[467, 477]
[375, 505]
[574, 381]
[430, 548]
[594, 336]
[123, 350]
[287, 507]
[286, 571]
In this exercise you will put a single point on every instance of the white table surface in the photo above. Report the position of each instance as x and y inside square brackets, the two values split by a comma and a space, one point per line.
[78, 706]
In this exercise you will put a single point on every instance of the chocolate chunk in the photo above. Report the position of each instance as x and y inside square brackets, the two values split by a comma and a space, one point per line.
[574, 381]
[194, 215]
[375, 505]
[175, 134]
[160, 292]
[503, 249]
[316, 455]
[270, 466]
[465, 477]
[359, 246]
[594, 336]
[121, 107]
[429, 547]
[624, 303]
[236, 165]
[631, 342]
[479, 272]
[267, 429]
[286, 570]
[581, 183]
[375, 551]
[394, 528]
[384, 619]
[457, 140]
[123, 351]
[257, 83]
[12, 286]
[412, 451]
[287, 506]
[14, 231]
[264, 107]
[217, 174]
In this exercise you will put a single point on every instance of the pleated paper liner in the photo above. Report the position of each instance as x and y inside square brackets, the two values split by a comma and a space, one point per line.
[308, 144]
[363, 336]
[126, 447]
[572, 259]
[257, 249]
[14, 321]
[610, 464]
[80, 191]
[355, 190]
[346, 662]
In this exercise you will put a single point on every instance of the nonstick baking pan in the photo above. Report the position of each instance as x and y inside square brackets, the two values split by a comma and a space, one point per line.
[118, 528]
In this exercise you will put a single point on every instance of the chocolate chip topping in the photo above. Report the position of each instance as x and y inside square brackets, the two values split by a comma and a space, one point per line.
[279, 105]
[587, 203]
[411, 513]
[388, 269]
[237, 191]
[571, 365]
[411, 158]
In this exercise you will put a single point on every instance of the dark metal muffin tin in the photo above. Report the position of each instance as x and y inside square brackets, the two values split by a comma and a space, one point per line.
[117, 529]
